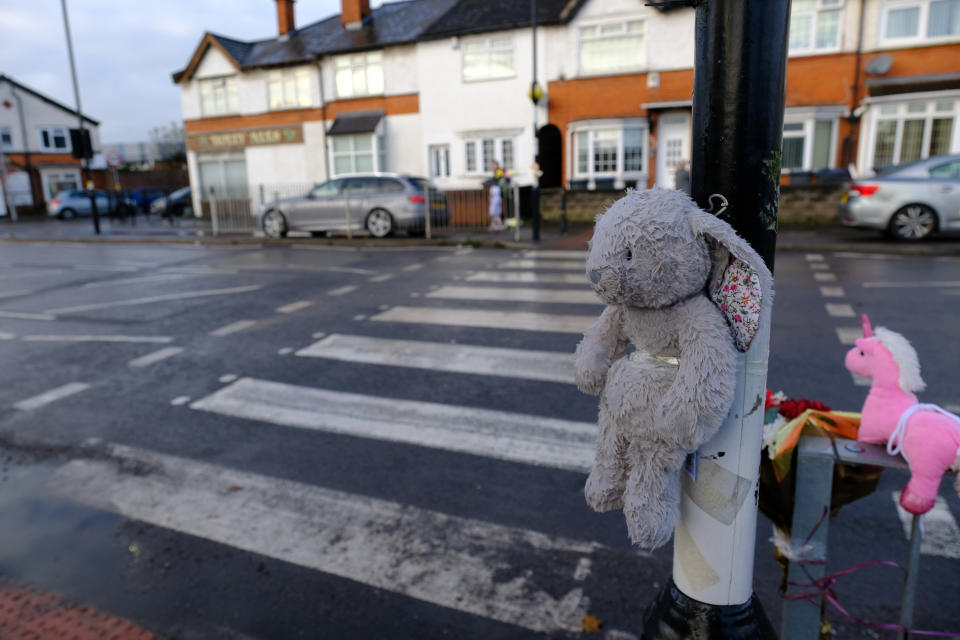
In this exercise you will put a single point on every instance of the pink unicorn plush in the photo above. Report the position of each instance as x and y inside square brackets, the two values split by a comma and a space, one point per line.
[926, 435]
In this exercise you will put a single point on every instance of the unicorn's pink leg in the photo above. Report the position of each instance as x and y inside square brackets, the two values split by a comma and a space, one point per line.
[930, 444]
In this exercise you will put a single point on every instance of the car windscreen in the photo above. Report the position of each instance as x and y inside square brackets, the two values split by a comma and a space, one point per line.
[180, 193]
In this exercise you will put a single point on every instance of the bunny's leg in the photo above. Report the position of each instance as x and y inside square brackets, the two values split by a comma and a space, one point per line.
[652, 497]
[604, 488]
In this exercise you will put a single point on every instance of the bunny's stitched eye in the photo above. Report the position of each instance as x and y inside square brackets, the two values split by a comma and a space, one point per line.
[629, 254]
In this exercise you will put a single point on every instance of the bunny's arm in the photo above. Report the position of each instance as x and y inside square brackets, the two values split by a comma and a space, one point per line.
[602, 344]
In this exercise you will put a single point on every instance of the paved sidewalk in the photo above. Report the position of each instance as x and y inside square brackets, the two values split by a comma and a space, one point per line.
[192, 230]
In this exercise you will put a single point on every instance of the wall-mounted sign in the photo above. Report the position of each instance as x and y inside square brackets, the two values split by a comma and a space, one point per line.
[224, 140]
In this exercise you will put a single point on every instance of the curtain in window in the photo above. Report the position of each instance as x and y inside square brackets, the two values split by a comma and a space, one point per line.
[792, 157]
[944, 18]
[633, 149]
[582, 146]
[822, 134]
[903, 23]
[603, 51]
[940, 136]
[911, 144]
[828, 29]
[883, 146]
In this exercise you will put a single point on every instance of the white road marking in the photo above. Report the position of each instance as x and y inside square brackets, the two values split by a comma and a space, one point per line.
[566, 265]
[463, 252]
[162, 298]
[520, 320]
[201, 271]
[849, 335]
[103, 338]
[526, 276]
[522, 438]
[832, 292]
[383, 277]
[180, 400]
[229, 377]
[511, 294]
[449, 561]
[814, 257]
[233, 327]
[294, 306]
[32, 273]
[840, 310]
[342, 290]
[18, 292]
[824, 277]
[285, 351]
[156, 356]
[861, 381]
[413, 267]
[414, 295]
[911, 285]
[360, 316]
[362, 272]
[819, 266]
[557, 254]
[7, 336]
[106, 267]
[950, 292]
[941, 536]
[20, 315]
[154, 278]
[53, 395]
[318, 335]
[438, 356]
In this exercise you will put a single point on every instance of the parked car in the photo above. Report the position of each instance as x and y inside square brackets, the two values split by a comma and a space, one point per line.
[174, 204]
[908, 202]
[380, 203]
[142, 197]
[76, 202]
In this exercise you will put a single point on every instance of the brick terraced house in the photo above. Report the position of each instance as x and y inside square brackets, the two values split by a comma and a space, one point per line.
[439, 88]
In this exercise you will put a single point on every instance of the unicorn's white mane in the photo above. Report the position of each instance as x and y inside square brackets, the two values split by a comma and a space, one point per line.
[905, 356]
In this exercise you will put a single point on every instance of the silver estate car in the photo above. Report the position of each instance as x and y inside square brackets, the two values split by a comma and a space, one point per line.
[380, 203]
[908, 202]
[74, 202]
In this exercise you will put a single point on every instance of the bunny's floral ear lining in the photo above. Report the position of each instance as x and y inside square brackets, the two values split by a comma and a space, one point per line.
[738, 294]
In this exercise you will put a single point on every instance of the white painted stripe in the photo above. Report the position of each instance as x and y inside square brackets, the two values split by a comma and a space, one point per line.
[861, 381]
[824, 277]
[520, 320]
[383, 277]
[29, 273]
[51, 396]
[463, 252]
[106, 267]
[510, 294]
[526, 276]
[814, 257]
[155, 278]
[362, 272]
[439, 356]
[103, 338]
[7, 336]
[557, 254]
[449, 561]
[162, 298]
[951, 292]
[941, 536]
[832, 292]
[201, 271]
[527, 439]
[294, 306]
[819, 266]
[350, 288]
[911, 285]
[233, 327]
[18, 292]
[567, 265]
[21, 315]
[156, 356]
[180, 400]
[849, 335]
[413, 267]
[840, 310]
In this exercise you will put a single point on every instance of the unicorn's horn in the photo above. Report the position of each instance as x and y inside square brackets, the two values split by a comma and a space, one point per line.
[867, 329]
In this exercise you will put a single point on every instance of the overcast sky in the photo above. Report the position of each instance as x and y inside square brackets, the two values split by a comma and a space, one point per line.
[126, 50]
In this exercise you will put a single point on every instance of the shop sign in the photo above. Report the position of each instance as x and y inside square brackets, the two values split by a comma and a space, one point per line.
[246, 138]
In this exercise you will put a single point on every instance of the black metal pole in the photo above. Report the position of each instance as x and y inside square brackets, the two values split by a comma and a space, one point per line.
[535, 190]
[739, 82]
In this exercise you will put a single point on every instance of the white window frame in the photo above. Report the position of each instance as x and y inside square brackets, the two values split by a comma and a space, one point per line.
[377, 149]
[231, 100]
[369, 62]
[922, 24]
[438, 160]
[298, 79]
[822, 6]
[498, 155]
[640, 66]
[620, 175]
[808, 133]
[930, 113]
[489, 48]
[49, 130]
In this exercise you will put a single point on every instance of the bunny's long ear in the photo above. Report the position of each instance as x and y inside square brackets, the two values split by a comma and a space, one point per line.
[741, 284]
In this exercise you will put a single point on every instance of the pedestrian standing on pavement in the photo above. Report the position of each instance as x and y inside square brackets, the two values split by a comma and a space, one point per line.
[496, 200]
[681, 179]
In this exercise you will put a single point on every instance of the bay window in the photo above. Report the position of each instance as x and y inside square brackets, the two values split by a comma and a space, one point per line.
[615, 47]
[289, 88]
[910, 130]
[609, 151]
[359, 74]
[815, 25]
[218, 96]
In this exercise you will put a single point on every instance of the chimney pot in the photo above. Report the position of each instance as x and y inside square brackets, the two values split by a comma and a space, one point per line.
[285, 23]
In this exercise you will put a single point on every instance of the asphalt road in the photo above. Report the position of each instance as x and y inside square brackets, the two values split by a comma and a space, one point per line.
[242, 442]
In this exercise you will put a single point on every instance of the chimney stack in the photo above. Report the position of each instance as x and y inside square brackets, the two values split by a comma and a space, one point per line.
[353, 13]
[285, 22]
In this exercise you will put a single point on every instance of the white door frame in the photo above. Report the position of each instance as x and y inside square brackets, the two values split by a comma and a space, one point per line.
[671, 125]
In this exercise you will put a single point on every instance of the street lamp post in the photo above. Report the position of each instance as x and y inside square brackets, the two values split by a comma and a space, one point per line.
[535, 94]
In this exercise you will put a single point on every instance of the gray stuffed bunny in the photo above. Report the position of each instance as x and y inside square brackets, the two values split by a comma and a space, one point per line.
[685, 291]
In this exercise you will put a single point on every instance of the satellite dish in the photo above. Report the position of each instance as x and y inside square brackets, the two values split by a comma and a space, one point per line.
[879, 65]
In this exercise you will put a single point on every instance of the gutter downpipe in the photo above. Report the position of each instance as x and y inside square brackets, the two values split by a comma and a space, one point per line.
[323, 114]
[34, 189]
[848, 150]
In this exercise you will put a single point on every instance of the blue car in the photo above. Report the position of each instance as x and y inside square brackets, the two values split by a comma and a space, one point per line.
[142, 197]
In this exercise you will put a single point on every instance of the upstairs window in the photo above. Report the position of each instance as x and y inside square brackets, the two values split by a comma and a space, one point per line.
[815, 25]
[907, 20]
[218, 96]
[6, 139]
[359, 74]
[54, 139]
[289, 88]
[612, 48]
[488, 58]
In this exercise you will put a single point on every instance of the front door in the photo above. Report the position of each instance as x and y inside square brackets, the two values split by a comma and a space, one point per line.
[673, 145]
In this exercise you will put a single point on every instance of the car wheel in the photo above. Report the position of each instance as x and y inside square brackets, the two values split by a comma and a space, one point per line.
[67, 214]
[913, 222]
[379, 223]
[274, 224]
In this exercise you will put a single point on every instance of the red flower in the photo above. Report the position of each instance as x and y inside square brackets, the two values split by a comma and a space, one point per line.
[791, 407]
